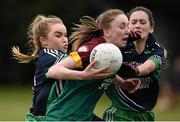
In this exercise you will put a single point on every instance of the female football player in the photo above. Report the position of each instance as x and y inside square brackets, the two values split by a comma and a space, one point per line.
[78, 98]
[49, 44]
[148, 56]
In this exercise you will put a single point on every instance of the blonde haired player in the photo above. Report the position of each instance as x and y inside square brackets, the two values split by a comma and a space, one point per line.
[48, 44]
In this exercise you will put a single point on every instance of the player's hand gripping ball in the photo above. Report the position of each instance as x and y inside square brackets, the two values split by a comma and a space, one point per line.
[107, 54]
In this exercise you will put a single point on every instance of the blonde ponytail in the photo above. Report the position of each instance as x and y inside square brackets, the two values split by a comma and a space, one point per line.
[38, 28]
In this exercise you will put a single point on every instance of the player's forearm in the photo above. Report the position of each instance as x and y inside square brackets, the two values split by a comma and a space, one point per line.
[146, 68]
[131, 84]
[118, 81]
[63, 73]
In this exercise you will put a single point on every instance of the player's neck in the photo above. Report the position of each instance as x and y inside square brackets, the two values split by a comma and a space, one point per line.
[139, 46]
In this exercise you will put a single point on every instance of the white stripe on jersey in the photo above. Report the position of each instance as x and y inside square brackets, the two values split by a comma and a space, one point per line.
[126, 98]
[109, 114]
[55, 53]
[57, 88]
[34, 81]
[52, 52]
[48, 52]
[59, 58]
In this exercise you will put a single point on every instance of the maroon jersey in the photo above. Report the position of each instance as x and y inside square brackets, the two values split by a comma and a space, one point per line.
[81, 57]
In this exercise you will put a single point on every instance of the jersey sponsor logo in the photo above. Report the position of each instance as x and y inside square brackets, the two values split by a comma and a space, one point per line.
[160, 59]
[145, 83]
[126, 52]
[147, 52]
[135, 63]
[106, 83]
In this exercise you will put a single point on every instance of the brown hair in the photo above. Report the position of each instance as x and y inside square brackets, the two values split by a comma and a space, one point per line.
[38, 28]
[90, 28]
[147, 11]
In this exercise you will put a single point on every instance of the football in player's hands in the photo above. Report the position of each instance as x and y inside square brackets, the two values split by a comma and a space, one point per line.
[107, 54]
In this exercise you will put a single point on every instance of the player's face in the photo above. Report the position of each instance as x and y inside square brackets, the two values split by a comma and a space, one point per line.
[118, 31]
[139, 22]
[57, 37]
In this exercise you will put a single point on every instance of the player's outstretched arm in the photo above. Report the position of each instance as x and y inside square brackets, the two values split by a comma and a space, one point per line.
[128, 77]
[64, 70]
[146, 68]
[130, 84]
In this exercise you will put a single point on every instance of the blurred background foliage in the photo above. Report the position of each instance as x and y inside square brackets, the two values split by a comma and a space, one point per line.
[16, 15]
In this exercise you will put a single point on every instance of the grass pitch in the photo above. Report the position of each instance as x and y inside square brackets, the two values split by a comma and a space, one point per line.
[15, 101]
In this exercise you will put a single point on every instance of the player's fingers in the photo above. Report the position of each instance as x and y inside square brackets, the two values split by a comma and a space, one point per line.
[132, 91]
[133, 34]
[135, 81]
[135, 89]
[131, 81]
[92, 64]
[130, 34]
[103, 68]
[137, 85]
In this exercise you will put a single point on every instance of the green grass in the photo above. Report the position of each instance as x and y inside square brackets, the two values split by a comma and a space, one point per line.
[15, 102]
[171, 115]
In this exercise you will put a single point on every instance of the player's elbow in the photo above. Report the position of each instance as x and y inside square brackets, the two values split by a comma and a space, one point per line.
[51, 73]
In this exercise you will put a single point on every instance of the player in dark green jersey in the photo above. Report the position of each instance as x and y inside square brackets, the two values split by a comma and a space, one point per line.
[148, 56]
[79, 97]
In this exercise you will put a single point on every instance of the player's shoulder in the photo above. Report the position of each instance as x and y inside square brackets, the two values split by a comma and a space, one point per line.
[50, 55]
[50, 52]
[89, 45]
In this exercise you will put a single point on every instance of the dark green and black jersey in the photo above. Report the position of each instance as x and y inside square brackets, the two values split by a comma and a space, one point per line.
[42, 85]
[144, 99]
